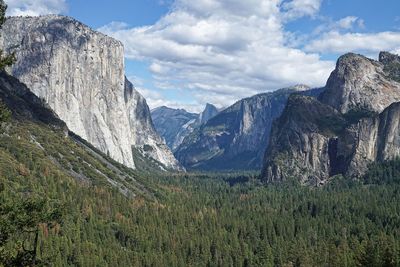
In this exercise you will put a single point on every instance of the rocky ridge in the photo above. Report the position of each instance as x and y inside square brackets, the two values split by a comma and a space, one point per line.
[237, 137]
[354, 123]
[175, 124]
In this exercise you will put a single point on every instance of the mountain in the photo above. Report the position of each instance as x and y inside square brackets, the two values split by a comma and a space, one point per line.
[360, 83]
[36, 140]
[353, 123]
[175, 124]
[80, 73]
[208, 113]
[237, 137]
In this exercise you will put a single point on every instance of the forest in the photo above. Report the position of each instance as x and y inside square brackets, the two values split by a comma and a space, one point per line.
[49, 218]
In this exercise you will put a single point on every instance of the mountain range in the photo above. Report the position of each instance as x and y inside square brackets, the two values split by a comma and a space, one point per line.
[301, 133]
[175, 124]
[237, 137]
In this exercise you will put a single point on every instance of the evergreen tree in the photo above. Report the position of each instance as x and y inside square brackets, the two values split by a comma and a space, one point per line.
[5, 60]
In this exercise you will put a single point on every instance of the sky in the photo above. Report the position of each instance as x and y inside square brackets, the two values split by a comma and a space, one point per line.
[186, 53]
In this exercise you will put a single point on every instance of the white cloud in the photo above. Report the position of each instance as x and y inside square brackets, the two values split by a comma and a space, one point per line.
[349, 22]
[346, 24]
[155, 99]
[35, 7]
[223, 50]
[335, 42]
[299, 8]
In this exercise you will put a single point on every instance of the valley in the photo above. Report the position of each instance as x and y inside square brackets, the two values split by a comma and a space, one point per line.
[99, 167]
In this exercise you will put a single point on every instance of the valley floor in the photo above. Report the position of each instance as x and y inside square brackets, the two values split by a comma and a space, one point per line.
[64, 204]
[212, 220]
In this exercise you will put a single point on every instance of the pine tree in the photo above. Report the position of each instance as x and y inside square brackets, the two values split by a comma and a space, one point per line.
[5, 60]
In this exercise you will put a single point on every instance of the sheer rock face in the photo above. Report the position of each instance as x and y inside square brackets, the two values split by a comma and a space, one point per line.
[144, 136]
[80, 73]
[237, 137]
[312, 141]
[301, 142]
[377, 139]
[361, 83]
[208, 113]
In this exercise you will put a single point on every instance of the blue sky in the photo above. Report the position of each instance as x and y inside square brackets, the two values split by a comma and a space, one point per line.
[185, 53]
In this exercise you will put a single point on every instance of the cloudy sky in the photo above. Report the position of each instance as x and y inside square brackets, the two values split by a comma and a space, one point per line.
[185, 53]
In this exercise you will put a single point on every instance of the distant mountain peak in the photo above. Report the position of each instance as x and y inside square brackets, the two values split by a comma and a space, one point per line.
[209, 112]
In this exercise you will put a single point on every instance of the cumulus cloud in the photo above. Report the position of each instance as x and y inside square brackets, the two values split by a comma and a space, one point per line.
[336, 42]
[35, 7]
[299, 8]
[155, 99]
[349, 22]
[223, 50]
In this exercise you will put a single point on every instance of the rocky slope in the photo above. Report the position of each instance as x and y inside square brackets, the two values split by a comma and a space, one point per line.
[175, 124]
[38, 143]
[355, 123]
[237, 137]
[80, 73]
[145, 138]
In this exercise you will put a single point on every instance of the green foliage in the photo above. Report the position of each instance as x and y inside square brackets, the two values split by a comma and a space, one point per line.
[5, 113]
[331, 125]
[5, 60]
[384, 173]
[355, 115]
[80, 219]
[393, 70]
[147, 148]
[22, 217]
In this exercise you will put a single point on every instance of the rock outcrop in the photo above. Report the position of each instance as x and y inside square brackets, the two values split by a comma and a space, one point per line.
[391, 64]
[301, 142]
[80, 73]
[208, 113]
[144, 136]
[360, 83]
[353, 125]
[237, 137]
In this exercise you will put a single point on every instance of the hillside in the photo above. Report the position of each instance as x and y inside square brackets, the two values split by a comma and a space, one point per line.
[63, 203]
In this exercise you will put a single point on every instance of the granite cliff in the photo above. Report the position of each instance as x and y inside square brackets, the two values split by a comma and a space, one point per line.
[80, 74]
[354, 122]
